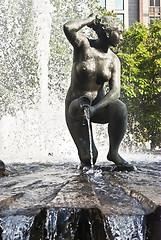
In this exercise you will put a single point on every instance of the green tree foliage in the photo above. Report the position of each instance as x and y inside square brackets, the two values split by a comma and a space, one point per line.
[140, 55]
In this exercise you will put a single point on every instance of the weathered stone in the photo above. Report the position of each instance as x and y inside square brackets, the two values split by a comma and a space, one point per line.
[76, 194]
[7, 201]
[97, 201]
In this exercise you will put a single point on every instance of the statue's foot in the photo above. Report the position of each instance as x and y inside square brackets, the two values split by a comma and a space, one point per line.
[82, 166]
[128, 168]
[122, 165]
[87, 163]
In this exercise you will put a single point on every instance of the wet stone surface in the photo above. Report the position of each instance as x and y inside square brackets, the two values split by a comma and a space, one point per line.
[38, 196]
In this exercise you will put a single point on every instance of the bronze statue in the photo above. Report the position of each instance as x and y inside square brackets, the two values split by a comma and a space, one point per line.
[93, 65]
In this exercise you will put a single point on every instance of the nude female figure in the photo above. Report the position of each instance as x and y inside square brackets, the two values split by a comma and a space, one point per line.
[93, 65]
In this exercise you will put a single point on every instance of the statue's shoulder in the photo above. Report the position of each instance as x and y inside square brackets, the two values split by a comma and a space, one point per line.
[115, 61]
[114, 56]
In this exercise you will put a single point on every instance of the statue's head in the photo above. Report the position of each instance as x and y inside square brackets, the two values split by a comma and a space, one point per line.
[107, 24]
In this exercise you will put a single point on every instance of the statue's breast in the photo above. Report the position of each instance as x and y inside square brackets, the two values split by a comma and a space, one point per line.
[86, 67]
[104, 70]
[93, 67]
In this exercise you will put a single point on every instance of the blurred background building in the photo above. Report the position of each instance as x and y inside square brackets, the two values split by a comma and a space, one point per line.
[130, 11]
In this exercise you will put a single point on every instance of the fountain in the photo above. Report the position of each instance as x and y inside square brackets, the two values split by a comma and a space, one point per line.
[46, 195]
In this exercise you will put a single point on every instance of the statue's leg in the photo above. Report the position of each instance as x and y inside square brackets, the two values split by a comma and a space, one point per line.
[116, 130]
[80, 134]
[116, 115]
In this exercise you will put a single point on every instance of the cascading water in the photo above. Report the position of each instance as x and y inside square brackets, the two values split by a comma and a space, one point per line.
[46, 196]
[16, 227]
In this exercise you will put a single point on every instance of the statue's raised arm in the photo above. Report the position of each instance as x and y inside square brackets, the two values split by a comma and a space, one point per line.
[71, 29]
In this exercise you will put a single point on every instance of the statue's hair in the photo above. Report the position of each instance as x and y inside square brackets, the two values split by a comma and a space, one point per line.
[105, 23]
[110, 23]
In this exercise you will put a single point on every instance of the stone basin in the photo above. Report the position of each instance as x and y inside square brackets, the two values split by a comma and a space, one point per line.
[36, 197]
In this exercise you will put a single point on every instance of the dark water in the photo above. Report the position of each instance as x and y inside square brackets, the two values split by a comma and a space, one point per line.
[120, 200]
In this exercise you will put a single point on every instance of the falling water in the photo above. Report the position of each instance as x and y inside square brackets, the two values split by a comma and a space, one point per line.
[16, 227]
[43, 20]
[87, 115]
[51, 221]
[76, 224]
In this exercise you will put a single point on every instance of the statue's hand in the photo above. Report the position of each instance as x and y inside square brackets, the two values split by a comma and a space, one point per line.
[94, 19]
[92, 111]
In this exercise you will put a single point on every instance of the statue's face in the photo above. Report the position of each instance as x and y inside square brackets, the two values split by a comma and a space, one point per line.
[115, 36]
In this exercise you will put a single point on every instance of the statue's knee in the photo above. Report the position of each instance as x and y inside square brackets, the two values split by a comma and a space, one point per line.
[121, 111]
[124, 110]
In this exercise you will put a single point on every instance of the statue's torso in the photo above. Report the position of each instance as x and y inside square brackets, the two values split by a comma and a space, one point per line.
[91, 69]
